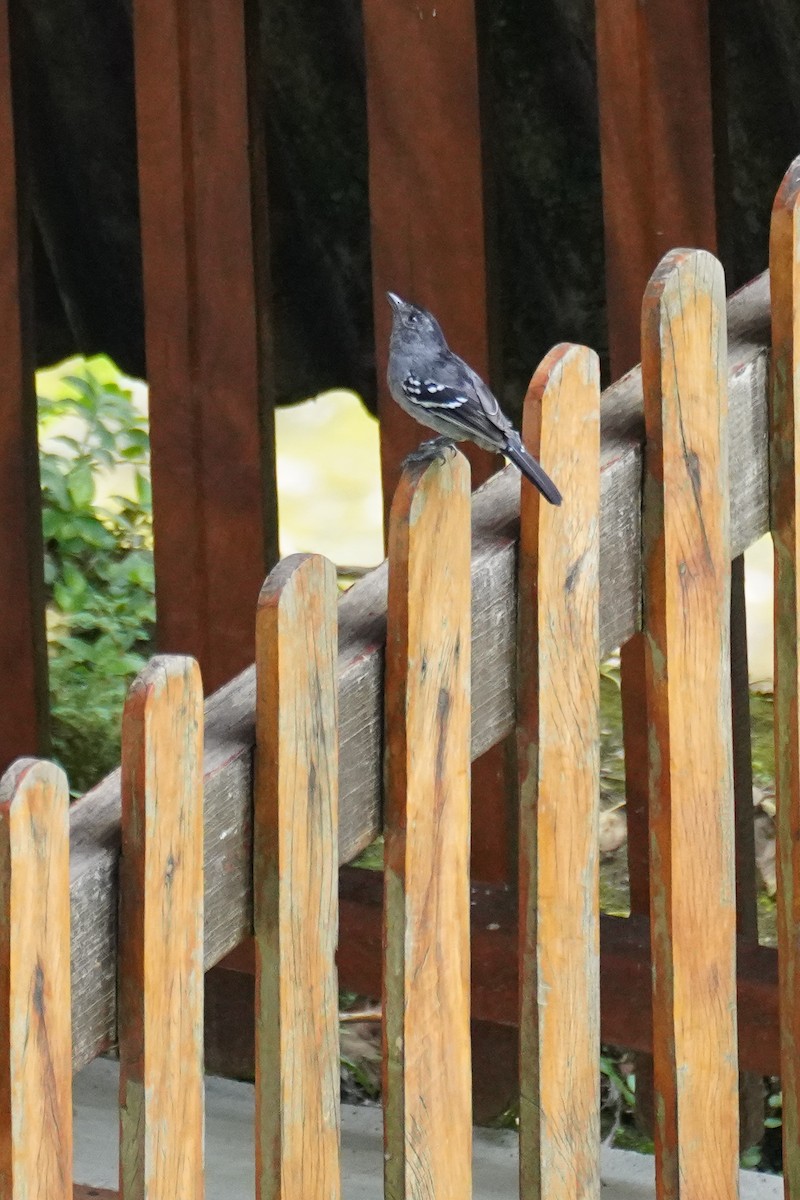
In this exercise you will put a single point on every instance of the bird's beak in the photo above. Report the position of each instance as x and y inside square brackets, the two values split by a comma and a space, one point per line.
[397, 304]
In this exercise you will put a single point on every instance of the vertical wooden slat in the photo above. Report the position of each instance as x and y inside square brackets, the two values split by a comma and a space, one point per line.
[426, 193]
[784, 263]
[426, 875]
[295, 882]
[558, 739]
[161, 935]
[35, 1020]
[211, 431]
[656, 146]
[23, 655]
[686, 548]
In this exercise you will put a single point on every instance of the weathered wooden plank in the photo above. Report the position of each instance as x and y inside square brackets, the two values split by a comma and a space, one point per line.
[230, 732]
[625, 971]
[23, 650]
[654, 91]
[295, 883]
[558, 750]
[161, 1095]
[427, 221]
[427, 1091]
[35, 1028]
[784, 257]
[686, 549]
[212, 444]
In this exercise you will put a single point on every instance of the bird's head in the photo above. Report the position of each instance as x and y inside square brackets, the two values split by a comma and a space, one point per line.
[410, 323]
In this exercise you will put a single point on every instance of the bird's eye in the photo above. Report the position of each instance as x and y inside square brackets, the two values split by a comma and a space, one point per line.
[412, 318]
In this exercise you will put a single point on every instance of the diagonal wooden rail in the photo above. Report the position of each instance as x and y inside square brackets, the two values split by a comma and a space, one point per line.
[230, 712]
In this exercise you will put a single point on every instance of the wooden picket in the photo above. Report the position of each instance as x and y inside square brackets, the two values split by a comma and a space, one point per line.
[161, 935]
[35, 1022]
[427, 1084]
[686, 622]
[784, 257]
[295, 879]
[558, 739]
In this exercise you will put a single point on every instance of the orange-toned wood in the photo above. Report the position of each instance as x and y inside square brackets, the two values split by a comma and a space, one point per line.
[212, 437]
[295, 882]
[35, 1008]
[686, 552]
[23, 652]
[427, 1086]
[161, 934]
[784, 262]
[558, 747]
[426, 194]
[656, 146]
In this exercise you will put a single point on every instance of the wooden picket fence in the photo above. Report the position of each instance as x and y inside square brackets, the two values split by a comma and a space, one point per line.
[177, 864]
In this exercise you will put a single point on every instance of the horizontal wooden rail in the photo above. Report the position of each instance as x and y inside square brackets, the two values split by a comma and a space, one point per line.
[229, 735]
[625, 973]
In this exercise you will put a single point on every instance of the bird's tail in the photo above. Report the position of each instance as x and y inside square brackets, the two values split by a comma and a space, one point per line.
[516, 452]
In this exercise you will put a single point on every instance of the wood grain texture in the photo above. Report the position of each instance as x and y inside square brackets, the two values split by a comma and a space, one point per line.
[784, 256]
[657, 148]
[23, 649]
[211, 434]
[161, 935]
[558, 747]
[295, 878]
[427, 1087]
[35, 1026]
[687, 557]
[230, 730]
[426, 194]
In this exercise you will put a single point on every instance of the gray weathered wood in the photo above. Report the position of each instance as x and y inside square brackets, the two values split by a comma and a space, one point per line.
[230, 711]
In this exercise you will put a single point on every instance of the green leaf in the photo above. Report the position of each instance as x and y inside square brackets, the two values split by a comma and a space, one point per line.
[80, 484]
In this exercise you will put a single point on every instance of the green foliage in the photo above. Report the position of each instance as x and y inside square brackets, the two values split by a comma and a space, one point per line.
[98, 562]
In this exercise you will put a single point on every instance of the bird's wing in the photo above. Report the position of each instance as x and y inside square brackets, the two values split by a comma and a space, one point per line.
[453, 390]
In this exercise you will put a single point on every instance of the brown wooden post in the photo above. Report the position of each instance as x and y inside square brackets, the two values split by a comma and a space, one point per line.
[23, 653]
[161, 935]
[426, 986]
[656, 146]
[211, 424]
[295, 884]
[686, 562]
[558, 741]
[426, 193]
[35, 1008]
[784, 262]
[428, 238]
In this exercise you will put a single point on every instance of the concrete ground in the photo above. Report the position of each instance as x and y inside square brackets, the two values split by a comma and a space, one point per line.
[229, 1149]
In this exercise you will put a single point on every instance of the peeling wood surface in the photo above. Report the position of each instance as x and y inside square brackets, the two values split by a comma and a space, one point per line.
[687, 559]
[558, 752]
[161, 1097]
[230, 712]
[785, 429]
[295, 884]
[35, 1033]
[427, 1084]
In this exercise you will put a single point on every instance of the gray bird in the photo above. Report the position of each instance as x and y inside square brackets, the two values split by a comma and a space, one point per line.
[438, 389]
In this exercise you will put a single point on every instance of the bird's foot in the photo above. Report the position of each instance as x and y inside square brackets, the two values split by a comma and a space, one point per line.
[436, 449]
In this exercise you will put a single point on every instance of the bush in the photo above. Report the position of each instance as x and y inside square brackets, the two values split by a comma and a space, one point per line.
[98, 561]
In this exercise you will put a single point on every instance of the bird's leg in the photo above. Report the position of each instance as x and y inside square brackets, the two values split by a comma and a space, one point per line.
[430, 451]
